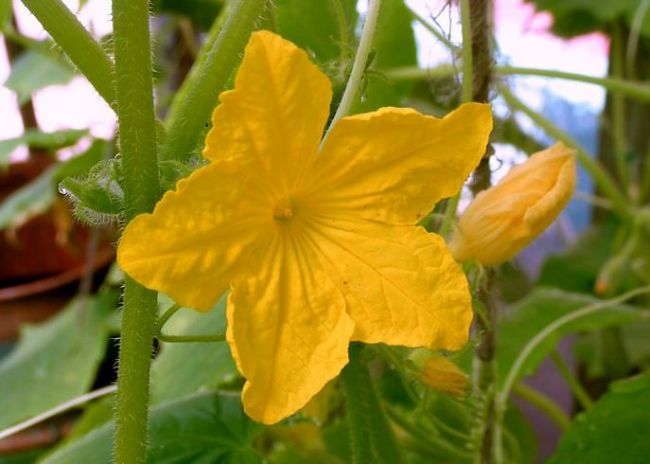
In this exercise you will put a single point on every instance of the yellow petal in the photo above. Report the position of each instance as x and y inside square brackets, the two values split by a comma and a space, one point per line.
[394, 164]
[287, 329]
[401, 285]
[274, 117]
[198, 234]
[507, 217]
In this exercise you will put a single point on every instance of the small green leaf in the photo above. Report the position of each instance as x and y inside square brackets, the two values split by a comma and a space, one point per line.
[615, 430]
[44, 140]
[206, 428]
[541, 308]
[33, 71]
[54, 361]
[200, 365]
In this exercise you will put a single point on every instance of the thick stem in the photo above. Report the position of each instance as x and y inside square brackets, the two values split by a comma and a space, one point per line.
[485, 379]
[190, 110]
[134, 91]
[77, 43]
[371, 437]
[481, 25]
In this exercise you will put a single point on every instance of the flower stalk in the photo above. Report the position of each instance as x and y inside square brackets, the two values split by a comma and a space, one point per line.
[134, 91]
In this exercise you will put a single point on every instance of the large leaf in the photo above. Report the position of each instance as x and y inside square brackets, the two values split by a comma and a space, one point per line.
[34, 70]
[36, 139]
[204, 428]
[199, 365]
[54, 361]
[394, 46]
[37, 196]
[314, 26]
[615, 430]
[541, 308]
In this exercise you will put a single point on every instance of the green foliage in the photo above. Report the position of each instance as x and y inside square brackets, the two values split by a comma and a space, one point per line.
[616, 429]
[576, 17]
[54, 361]
[39, 195]
[541, 308]
[200, 12]
[577, 269]
[206, 428]
[34, 70]
[49, 141]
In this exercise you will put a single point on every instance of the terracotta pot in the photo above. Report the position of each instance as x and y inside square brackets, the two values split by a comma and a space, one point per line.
[40, 264]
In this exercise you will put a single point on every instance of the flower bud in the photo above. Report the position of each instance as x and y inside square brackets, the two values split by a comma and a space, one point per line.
[505, 218]
[440, 374]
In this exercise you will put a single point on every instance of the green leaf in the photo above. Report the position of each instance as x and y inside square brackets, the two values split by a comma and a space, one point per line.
[33, 71]
[200, 365]
[37, 196]
[615, 430]
[541, 308]
[204, 428]
[394, 46]
[201, 12]
[44, 140]
[577, 269]
[54, 361]
[322, 38]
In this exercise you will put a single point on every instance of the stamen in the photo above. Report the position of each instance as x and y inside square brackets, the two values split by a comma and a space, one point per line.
[284, 209]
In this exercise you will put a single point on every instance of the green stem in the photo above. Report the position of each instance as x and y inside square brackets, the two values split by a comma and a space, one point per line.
[77, 43]
[618, 105]
[435, 32]
[576, 388]
[167, 315]
[632, 89]
[197, 97]
[542, 335]
[351, 91]
[134, 91]
[600, 176]
[371, 437]
[544, 404]
[468, 63]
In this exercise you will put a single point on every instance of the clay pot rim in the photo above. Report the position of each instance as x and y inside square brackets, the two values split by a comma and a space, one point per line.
[103, 257]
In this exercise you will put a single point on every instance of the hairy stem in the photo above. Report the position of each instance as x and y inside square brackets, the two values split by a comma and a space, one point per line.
[197, 97]
[77, 43]
[134, 91]
[371, 437]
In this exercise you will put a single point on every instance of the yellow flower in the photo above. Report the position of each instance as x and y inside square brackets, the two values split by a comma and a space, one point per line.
[318, 246]
[440, 374]
[505, 218]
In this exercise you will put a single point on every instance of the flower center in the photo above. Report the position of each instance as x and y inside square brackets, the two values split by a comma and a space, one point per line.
[283, 209]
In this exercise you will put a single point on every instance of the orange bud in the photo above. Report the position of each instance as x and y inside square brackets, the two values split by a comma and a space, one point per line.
[505, 218]
[441, 374]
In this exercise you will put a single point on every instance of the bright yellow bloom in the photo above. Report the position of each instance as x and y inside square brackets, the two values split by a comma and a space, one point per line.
[505, 218]
[318, 245]
[440, 374]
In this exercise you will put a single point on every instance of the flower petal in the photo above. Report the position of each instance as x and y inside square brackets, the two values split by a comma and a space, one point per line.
[196, 236]
[274, 117]
[288, 331]
[401, 285]
[394, 164]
